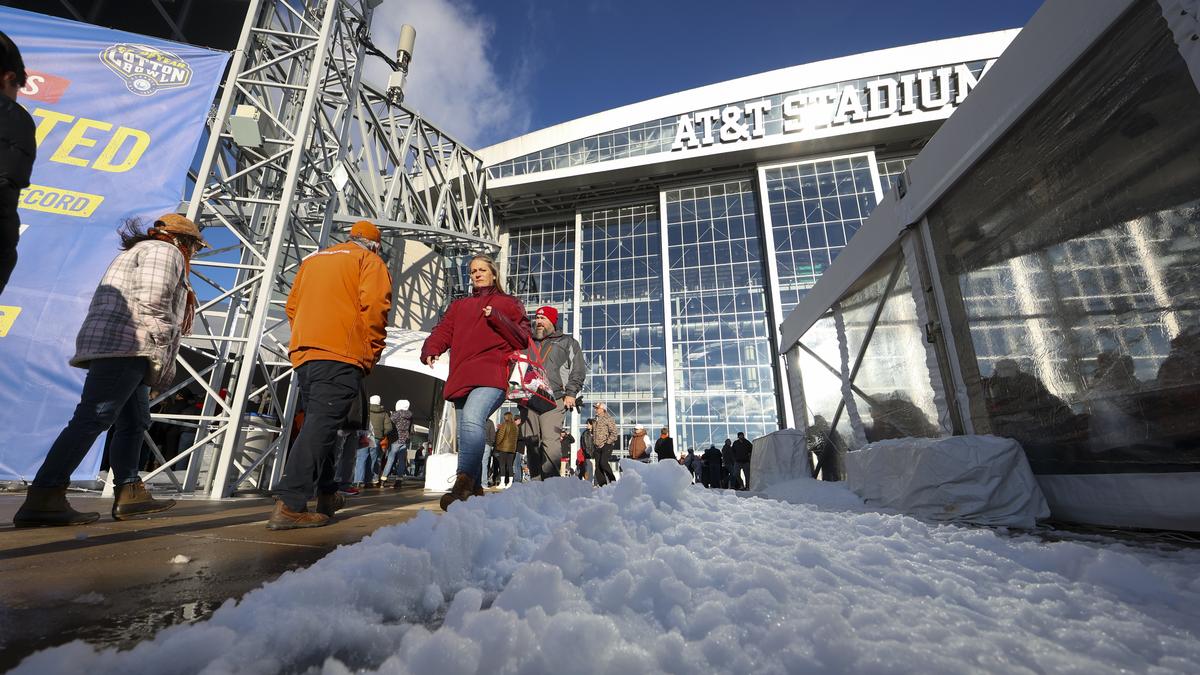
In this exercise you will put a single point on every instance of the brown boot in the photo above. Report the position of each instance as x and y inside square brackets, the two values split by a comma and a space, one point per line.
[464, 488]
[48, 507]
[329, 504]
[283, 518]
[133, 499]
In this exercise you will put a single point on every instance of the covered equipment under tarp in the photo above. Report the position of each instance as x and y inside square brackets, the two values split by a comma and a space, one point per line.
[983, 480]
[779, 457]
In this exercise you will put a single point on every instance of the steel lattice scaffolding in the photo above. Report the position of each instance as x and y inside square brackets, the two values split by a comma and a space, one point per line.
[333, 150]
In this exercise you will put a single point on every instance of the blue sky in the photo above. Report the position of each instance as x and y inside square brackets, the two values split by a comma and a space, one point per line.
[488, 70]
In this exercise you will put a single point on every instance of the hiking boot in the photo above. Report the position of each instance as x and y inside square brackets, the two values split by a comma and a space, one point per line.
[464, 488]
[133, 499]
[329, 504]
[48, 507]
[283, 518]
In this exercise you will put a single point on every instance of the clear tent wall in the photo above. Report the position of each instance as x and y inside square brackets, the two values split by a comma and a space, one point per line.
[1051, 295]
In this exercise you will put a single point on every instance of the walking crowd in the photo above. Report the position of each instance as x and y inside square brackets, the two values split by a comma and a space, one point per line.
[338, 311]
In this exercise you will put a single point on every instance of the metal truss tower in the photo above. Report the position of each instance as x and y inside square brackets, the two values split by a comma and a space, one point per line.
[333, 150]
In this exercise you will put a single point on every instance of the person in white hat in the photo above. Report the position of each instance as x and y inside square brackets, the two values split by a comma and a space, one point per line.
[397, 459]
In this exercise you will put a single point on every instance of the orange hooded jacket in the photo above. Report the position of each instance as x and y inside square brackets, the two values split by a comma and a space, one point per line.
[338, 307]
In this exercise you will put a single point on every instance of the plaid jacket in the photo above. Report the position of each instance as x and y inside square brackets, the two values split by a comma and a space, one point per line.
[138, 310]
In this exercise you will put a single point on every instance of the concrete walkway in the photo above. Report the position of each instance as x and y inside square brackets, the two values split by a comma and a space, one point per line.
[114, 583]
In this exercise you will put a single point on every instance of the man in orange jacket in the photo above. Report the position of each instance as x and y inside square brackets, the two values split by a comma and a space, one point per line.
[337, 311]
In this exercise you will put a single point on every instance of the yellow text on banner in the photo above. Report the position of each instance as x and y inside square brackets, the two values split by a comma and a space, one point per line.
[8, 316]
[59, 200]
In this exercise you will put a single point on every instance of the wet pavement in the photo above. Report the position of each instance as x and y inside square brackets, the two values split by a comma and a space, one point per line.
[117, 583]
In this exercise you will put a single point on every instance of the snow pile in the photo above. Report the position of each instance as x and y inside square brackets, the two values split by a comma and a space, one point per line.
[180, 560]
[654, 575]
[817, 493]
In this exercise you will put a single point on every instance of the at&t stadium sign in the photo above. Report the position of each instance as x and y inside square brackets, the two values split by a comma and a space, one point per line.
[840, 104]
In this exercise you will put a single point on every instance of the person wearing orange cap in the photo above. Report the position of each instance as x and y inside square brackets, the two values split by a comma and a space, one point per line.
[142, 308]
[337, 311]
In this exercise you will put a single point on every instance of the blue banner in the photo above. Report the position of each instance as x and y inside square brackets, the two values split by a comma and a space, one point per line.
[118, 120]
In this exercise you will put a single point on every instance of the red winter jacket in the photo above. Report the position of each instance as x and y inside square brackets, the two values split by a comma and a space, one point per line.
[479, 346]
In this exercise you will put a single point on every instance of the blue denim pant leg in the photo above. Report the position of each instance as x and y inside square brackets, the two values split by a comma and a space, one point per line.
[397, 457]
[472, 412]
[487, 461]
[113, 394]
[364, 465]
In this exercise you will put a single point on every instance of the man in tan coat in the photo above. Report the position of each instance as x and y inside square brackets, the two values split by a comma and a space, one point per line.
[338, 311]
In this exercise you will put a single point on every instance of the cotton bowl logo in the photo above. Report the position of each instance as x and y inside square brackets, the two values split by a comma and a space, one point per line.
[146, 69]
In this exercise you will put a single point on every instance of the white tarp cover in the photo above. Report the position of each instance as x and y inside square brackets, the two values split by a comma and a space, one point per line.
[779, 457]
[984, 480]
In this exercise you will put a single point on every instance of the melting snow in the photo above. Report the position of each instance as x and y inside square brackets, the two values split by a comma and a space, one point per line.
[656, 575]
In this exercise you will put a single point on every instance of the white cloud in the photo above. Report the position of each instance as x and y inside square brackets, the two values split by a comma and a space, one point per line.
[453, 81]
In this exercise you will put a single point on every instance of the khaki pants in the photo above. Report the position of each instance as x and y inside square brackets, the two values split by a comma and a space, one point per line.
[547, 458]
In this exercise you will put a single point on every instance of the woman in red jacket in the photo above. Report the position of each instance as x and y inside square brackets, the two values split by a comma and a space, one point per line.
[480, 331]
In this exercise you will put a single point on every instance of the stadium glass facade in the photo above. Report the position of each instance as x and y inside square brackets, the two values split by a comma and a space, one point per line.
[675, 313]
[675, 235]
[687, 343]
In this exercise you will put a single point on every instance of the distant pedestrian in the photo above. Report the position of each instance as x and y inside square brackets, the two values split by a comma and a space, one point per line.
[637, 445]
[381, 430]
[128, 342]
[397, 462]
[481, 331]
[419, 460]
[18, 149]
[581, 464]
[606, 439]
[664, 447]
[587, 444]
[742, 450]
[711, 470]
[489, 443]
[506, 449]
[692, 462]
[337, 311]
[565, 442]
[562, 358]
[727, 462]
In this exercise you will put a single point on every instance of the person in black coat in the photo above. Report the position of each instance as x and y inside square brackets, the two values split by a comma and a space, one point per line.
[664, 447]
[565, 443]
[741, 460]
[17, 151]
[710, 470]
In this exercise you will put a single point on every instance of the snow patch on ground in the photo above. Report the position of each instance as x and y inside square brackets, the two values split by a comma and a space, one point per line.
[820, 494]
[656, 575]
[180, 560]
[92, 598]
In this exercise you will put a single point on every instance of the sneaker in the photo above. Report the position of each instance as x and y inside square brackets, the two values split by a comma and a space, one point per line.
[349, 491]
[283, 518]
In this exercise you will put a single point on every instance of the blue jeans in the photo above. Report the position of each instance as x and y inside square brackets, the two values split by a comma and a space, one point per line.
[519, 467]
[365, 464]
[113, 394]
[472, 412]
[396, 451]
